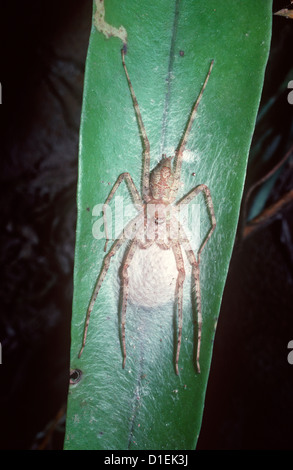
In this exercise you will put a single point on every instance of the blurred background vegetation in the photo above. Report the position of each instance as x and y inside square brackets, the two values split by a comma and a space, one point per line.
[248, 402]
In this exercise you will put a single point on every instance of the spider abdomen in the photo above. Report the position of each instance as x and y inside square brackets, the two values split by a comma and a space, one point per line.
[152, 277]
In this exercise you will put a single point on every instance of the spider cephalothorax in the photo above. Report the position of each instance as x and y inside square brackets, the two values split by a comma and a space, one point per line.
[162, 182]
[156, 225]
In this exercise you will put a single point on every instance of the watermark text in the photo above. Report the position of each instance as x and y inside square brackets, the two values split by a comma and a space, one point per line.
[290, 95]
[290, 355]
[151, 222]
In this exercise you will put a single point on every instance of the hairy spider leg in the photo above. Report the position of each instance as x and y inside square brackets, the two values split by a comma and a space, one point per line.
[145, 140]
[115, 247]
[125, 291]
[179, 295]
[183, 141]
[188, 198]
[135, 196]
[195, 262]
[196, 278]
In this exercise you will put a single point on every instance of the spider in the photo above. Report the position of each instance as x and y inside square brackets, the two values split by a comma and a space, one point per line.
[157, 223]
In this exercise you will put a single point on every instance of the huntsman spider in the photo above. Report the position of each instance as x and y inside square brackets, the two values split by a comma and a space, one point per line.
[156, 223]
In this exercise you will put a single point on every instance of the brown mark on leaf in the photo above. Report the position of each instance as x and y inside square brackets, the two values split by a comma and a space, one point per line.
[104, 27]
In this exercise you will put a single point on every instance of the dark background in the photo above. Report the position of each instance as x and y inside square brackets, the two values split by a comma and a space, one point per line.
[249, 395]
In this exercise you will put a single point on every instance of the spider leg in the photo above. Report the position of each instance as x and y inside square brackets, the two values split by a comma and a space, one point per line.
[196, 278]
[125, 289]
[145, 140]
[187, 199]
[115, 247]
[182, 144]
[134, 193]
[179, 294]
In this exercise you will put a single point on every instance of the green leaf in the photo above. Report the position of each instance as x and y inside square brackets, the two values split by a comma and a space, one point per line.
[170, 47]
